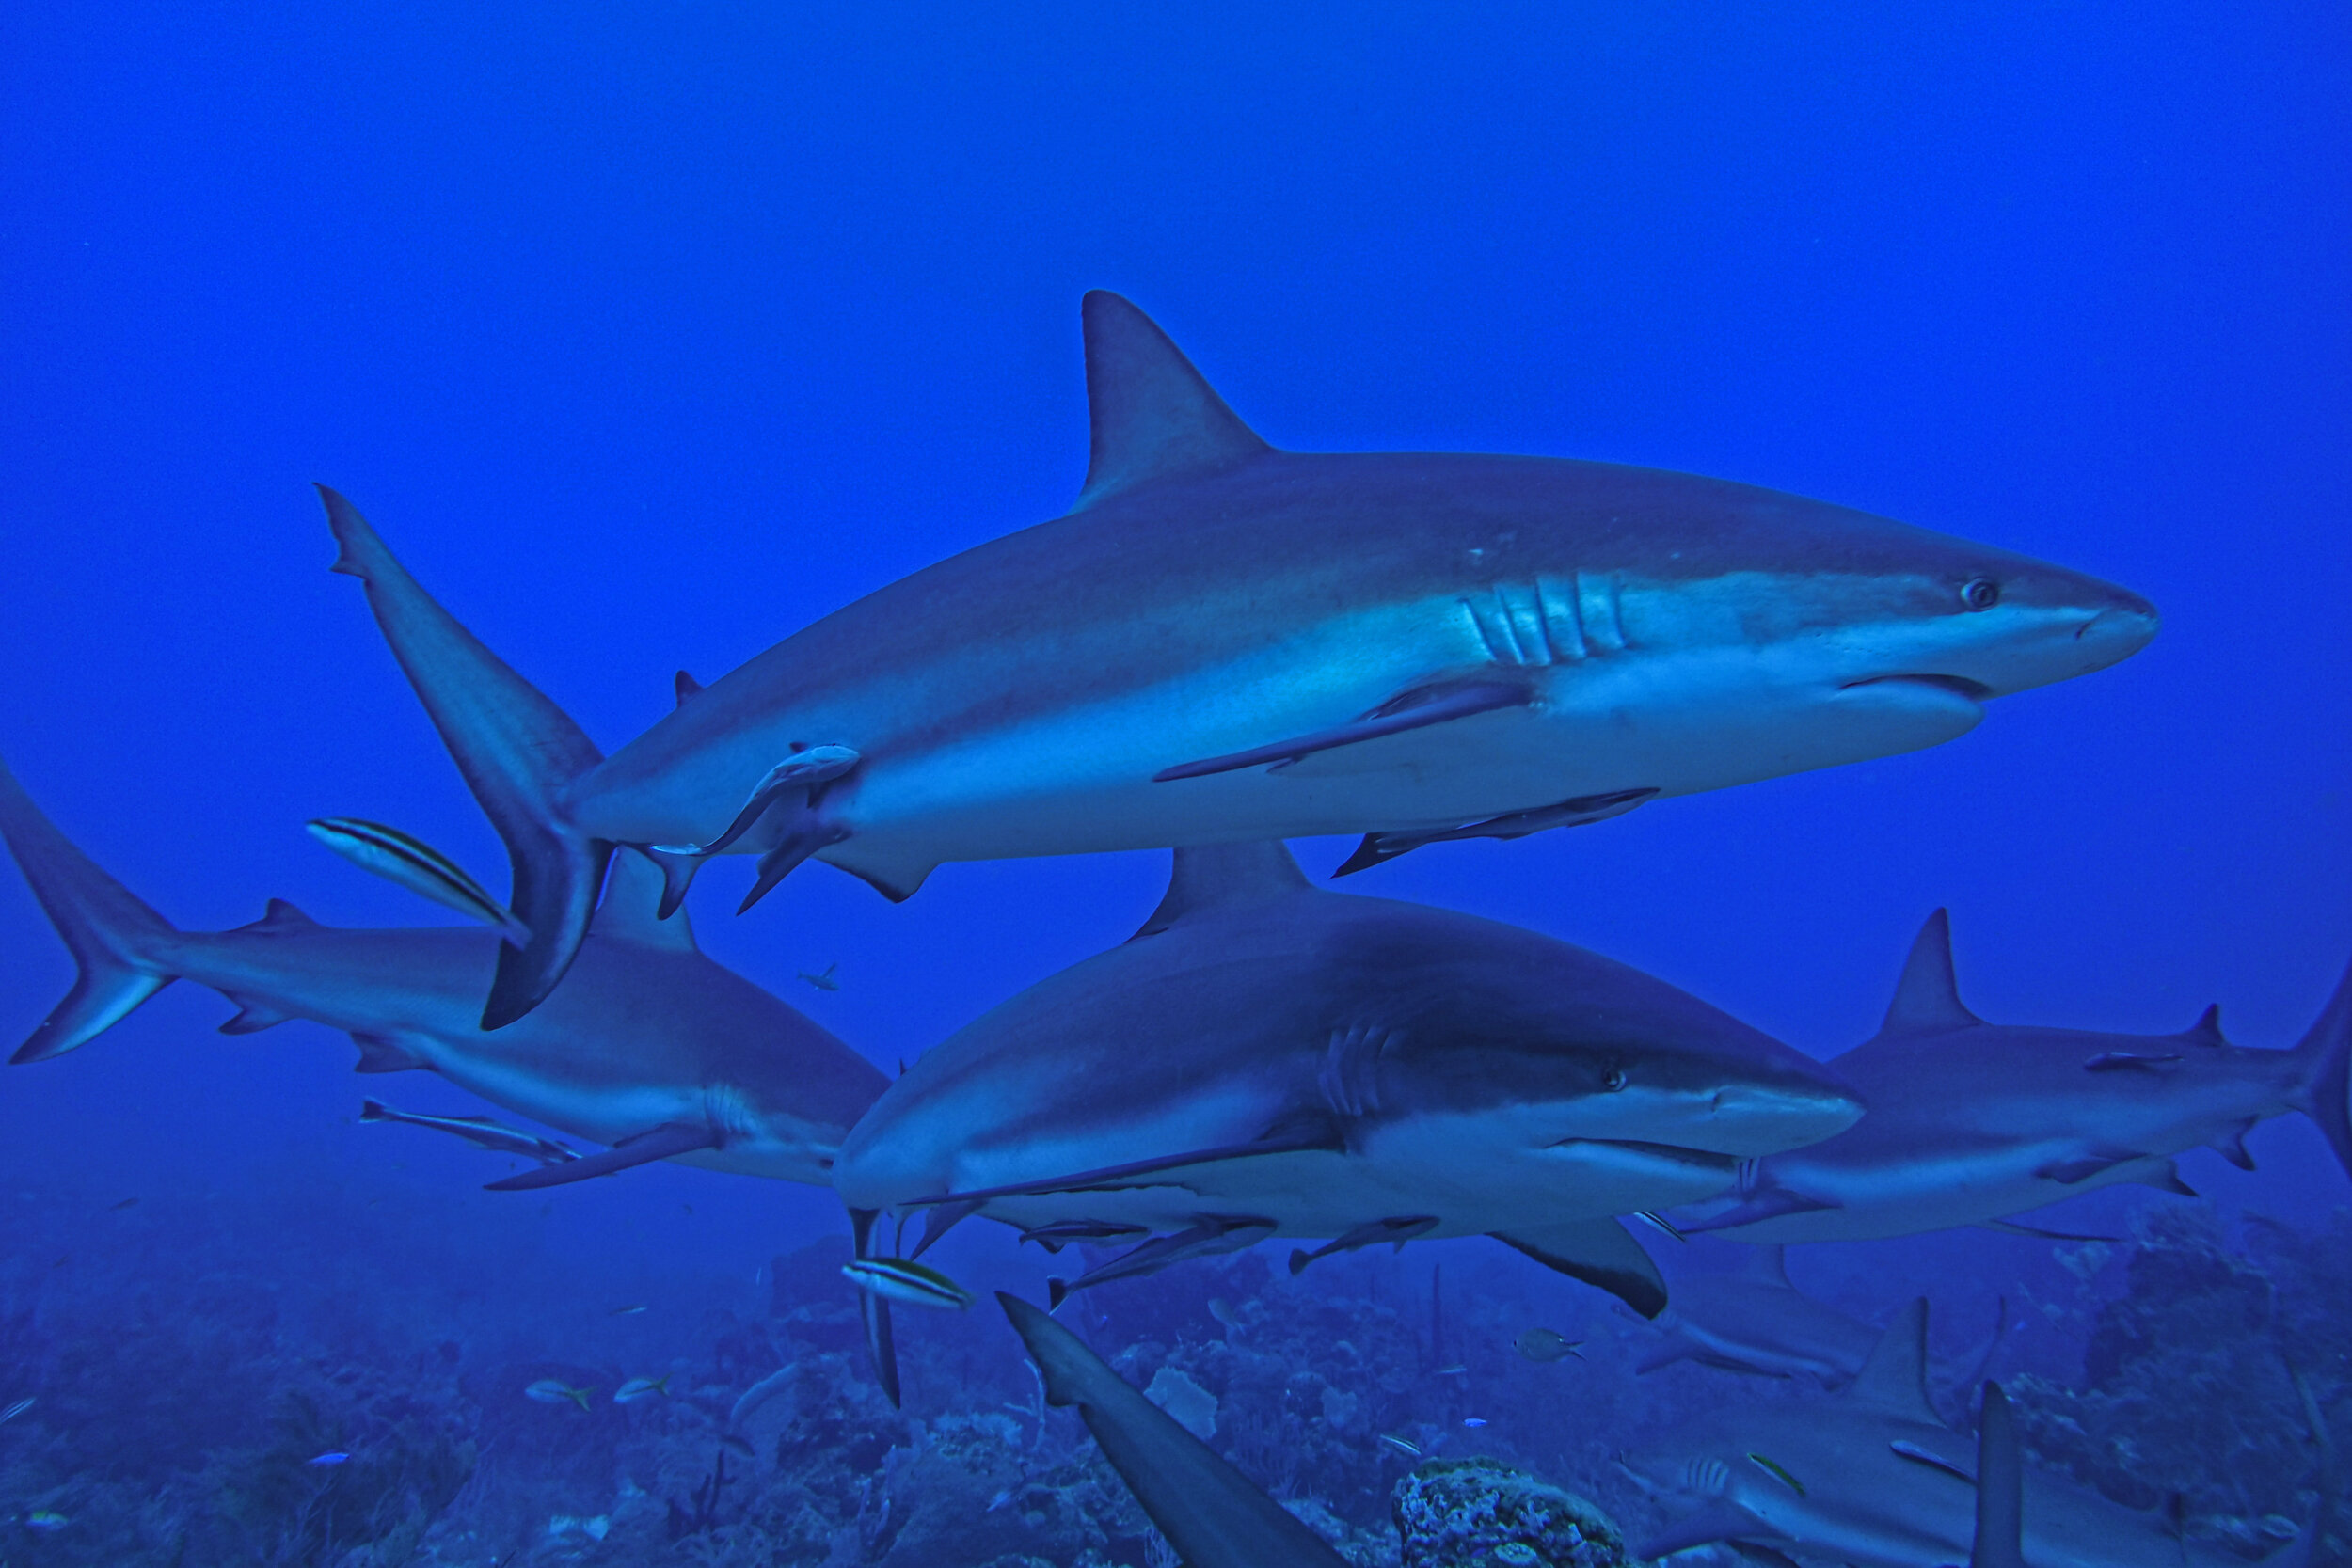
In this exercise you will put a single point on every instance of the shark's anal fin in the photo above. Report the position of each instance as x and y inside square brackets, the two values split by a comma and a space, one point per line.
[1416, 709]
[254, 1016]
[1601, 1254]
[666, 1142]
[383, 1054]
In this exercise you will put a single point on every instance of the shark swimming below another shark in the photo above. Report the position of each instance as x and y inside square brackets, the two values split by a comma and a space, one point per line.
[652, 1046]
[1266, 1058]
[1971, 1122]
[1225, 642]
[1874, 1477]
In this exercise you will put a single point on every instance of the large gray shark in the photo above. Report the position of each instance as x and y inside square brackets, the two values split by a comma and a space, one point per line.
[1209, 1511]
[651, 1047]
[1224, 642]
[1973, 1121]
[1267, 1058]
[1872, 1477]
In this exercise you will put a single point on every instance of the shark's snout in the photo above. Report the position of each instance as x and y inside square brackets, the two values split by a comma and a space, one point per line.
[2120, 629]
[1750, 1119]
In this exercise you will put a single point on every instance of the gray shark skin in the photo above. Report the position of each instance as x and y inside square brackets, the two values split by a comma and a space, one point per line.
[1885, 1483]
[1212, 1514]
[647, 1034]
[1269, 1058]
[1225, 642]
[1972, 1121]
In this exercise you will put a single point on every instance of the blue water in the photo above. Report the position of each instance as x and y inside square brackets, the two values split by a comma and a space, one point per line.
[650, 334]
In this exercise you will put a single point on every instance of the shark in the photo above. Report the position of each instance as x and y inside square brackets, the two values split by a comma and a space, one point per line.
[1751, 1318]
[653, 1047]
[1223, 641]
[1269, 1058]
[1972, 1122]
[1211, 1513]
[1873, 1477]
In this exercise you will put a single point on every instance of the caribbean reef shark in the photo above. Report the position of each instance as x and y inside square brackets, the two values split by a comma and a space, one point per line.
[1750, 1319]
[1267, 1058]
[1972, 1121]
[1224, 642]
[1874, 1477]
[1211, 1513]
[652, 1046]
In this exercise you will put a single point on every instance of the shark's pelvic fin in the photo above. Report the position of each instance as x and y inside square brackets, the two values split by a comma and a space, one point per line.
[1416, 709]
[1927, 998]
[1155, 419]
[1602, 1254]
[632, 909]
[111, 934]
[1895, 1378]
[2325, 1094]
[1222, 875]
[666, 1142]
[518, 751]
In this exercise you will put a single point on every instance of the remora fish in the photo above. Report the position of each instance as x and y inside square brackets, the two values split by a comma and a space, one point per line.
[1269, 1058]
[481, 1132]
[1971, 1121]
[1752, 1320]
[1874, 1477]
[1210, 1513]
[1226, 642]
[653, 1047]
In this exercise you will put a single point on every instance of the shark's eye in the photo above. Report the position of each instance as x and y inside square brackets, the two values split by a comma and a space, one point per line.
[1980, 593]
[1614, 1080]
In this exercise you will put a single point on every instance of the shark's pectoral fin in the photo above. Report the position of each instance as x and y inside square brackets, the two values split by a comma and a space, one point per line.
[2165, 1177]
[2082, 1167]
[1572, 812]
[1718, 1521]
[1415, 709]
[1601, 1254]
[383, 1054]
[254, 1017]
[2011, 1227]
[937, 1222]
[666, 1142]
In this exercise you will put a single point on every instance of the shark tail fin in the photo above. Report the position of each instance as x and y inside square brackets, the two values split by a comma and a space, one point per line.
[2324, 1091]
[516, 749]
[112, 936]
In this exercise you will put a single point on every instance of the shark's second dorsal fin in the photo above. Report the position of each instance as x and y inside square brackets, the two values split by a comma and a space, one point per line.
[2207, 1029]
[1895, 1378]
[631, 908]
[1155, 416]
[1927, 998]
[278, 915]
[1219, 876]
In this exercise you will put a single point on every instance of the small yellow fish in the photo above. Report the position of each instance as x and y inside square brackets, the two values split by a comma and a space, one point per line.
[45, 1520]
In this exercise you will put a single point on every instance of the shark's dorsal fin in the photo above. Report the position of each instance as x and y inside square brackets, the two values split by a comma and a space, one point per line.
[1895, 1378]
[278, 915]
[685, 686]
[1927, 998]
[631, 908]
[1155, 419]
[2207, 1029]
[1220, 875]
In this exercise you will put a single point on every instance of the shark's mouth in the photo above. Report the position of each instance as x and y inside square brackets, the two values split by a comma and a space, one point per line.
[1958, 686]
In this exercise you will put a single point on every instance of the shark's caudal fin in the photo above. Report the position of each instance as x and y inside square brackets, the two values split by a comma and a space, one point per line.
[112, 936]
[516, 749]
[1221, 876]
[1155, 419]
[2000, 1539]
[2326, 1079]
[1927, 998]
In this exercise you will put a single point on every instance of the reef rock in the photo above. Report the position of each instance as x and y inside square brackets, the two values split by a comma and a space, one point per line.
[1483, 1513]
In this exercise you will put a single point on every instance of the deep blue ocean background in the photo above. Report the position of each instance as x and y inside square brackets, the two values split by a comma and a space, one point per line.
[649, 334]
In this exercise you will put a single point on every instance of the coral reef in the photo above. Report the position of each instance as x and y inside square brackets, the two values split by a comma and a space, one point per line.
[1455, 1512]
